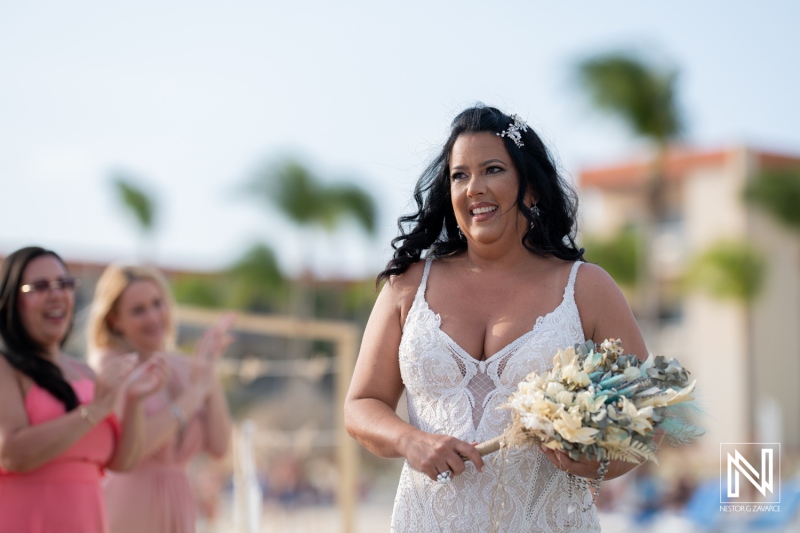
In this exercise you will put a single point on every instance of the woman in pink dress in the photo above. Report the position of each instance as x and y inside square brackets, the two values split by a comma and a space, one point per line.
[132, 311]
[57, 427]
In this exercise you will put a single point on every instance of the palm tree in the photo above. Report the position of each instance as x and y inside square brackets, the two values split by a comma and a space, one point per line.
[292, 188]
[139, 204]
[644, 97]
[309, 203]
[255, 280]
[777, 193]
[252, 283]
[733, 271]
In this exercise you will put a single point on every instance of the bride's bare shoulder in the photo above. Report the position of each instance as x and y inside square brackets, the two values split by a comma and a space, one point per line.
[593, 285]
[408, 281]
[399, 291]
[604, 311]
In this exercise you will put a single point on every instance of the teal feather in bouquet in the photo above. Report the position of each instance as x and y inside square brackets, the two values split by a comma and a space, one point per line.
[601, 404]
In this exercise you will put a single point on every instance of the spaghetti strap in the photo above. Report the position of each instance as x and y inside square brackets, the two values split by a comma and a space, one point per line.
[450, 392]
[424, 282]
[569, 290]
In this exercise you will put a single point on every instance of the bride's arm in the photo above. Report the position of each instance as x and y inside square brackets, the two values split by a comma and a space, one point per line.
[605, 314]
[377, 385]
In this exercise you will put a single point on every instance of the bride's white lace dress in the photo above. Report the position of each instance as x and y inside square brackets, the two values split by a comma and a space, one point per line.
[451, 393]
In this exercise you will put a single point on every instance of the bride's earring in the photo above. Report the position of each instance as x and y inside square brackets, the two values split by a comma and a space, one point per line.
[535, 213]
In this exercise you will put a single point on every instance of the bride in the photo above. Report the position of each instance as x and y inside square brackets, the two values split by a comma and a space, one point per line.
[501, 287]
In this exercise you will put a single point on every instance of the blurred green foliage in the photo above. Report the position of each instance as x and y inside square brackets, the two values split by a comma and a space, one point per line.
[201, 290]
[643, 94]
[255, 281]
[305, 200]
[640, 93]
[138, 202]
[255, 284]
[616, 255]
[777, 192]
[728, 270]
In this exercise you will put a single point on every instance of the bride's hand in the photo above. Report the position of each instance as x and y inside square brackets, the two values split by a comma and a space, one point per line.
[434, 454]
[562, 461]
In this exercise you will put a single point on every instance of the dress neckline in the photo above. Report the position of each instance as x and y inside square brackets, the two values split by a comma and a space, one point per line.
[72, 382]
[568, 295]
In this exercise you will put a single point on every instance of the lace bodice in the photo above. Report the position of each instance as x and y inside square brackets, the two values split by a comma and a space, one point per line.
[451, 393]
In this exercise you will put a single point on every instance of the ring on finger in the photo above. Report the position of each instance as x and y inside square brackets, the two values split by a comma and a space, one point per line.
[444, 477]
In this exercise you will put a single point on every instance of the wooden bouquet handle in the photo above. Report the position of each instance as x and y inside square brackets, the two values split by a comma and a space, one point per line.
[487, 447]
[490, 446]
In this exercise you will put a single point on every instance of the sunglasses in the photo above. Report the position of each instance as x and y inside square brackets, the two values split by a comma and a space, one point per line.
[42, 285]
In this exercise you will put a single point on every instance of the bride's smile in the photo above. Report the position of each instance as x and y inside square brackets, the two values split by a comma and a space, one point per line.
[483, 189]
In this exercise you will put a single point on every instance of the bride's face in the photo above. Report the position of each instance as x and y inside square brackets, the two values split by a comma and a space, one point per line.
[483, 188]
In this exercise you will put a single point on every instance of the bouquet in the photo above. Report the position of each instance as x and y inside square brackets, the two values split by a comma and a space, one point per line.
[601, 404]
[598, 403]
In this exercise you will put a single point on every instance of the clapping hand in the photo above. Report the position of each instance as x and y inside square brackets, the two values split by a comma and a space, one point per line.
[109, 382]
[209, 349]
[147, 378]
[216, 338]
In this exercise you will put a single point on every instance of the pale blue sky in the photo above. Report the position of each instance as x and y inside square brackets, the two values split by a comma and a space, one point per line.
[192, 95]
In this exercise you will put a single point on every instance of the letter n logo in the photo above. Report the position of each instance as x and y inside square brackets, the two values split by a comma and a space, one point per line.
[739, 465]
[761, 476]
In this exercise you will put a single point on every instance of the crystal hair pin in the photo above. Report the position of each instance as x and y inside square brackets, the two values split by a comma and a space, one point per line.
[514, 131]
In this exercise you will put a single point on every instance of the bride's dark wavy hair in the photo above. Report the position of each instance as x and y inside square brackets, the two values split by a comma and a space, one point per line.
[20, 350]
[433, 226]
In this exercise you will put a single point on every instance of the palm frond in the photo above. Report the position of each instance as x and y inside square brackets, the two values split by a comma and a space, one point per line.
[640, 94]
[134, 198]
[349, 200]
[307, 201]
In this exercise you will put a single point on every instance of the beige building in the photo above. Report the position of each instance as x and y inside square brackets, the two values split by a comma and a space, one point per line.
[746, 358]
